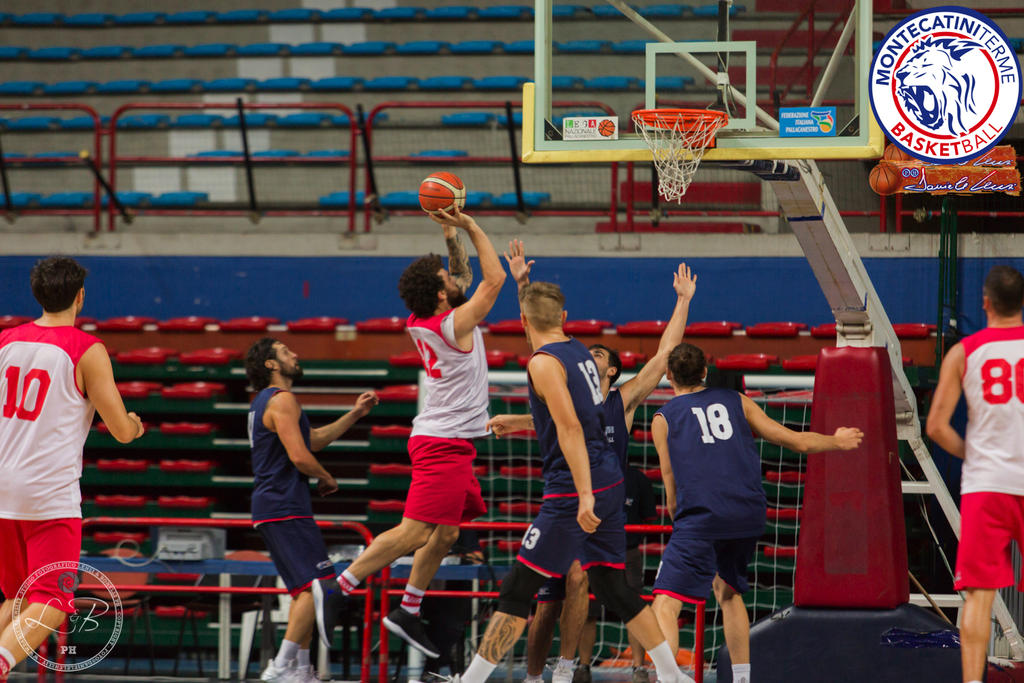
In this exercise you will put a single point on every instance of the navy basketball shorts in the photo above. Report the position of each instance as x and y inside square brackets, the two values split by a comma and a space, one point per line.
[555, 538]
[297, 548]
[689, 565]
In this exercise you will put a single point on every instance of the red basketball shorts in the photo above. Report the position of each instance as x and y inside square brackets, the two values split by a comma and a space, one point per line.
[988, 522]
[444, 489]
[31, 545]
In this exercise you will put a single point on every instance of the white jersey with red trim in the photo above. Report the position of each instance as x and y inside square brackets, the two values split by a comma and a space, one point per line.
[454, 405]
[44, 419]
[993, 384]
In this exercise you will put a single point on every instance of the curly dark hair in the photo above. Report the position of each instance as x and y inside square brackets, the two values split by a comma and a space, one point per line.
[56, 281]
[256, 363]
[687, 363]
[614, 361]
[420, 284]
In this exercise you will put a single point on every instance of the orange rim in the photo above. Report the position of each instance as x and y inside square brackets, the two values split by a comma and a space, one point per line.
[686, 119]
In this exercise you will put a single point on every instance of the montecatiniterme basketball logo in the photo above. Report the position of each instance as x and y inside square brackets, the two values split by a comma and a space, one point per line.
[945, 84]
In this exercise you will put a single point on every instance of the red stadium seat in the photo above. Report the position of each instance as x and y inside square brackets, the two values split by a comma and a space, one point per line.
[826, 331]
[799, 398]
[127, 323]
[184, 501]
[218, 355]
[784, 514]
[122, 465]
[254, 323]
[720, 328]
[193, 390]
[775, 329]
[586, 326]
[643, 435]
[7, 321]
[400, 393]
[523, 360]
[507, 546]
[320, 324]
[630, 359]
[137, 389]
[114, 537]
[785, 476]
[393, 324]
[120, 501]
[506, 327]
[652, 548]
[519, 508]
[179, 611]
[746, 361]
[386, 505]
[799, 363]
[913, 330]
[779, 551]
[528, 434]
[520, 471]
[497, 358]
[192, 323]
[102, 428]
[653, 474]
[151, 355]
[187, 428]
[186, 466]
[406, 359]
[643, 328]
[391, 469]
[391, 431]
[84, 320]
[907, 360]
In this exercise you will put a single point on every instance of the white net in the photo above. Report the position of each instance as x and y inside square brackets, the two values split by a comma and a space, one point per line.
[678, 139]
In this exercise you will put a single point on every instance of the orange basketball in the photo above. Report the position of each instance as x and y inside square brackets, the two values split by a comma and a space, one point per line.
[442, 191]
[884, 178]
[894, 153]
[606, 128]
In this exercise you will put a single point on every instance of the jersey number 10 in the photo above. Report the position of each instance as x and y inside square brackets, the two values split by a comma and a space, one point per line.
[13, 407]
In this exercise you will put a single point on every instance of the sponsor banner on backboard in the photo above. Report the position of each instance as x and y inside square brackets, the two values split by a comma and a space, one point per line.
[807, 122]
[590, 128]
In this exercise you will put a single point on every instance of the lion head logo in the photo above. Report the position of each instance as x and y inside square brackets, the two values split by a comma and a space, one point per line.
[936, 85]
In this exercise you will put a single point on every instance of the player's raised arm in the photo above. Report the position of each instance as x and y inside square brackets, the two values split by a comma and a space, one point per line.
[944, 400]
[282, 417]
[844, 438]
[98, 385]
[473, 312]
[458, 259]
[659, 430]
[518, 266]
[640, 387]
[321, 437]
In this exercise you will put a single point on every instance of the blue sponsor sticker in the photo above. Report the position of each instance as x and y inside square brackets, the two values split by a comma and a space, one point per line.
[807, 122]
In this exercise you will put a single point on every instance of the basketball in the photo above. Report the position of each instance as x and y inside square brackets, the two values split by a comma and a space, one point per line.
[894, 153]
[442, 191]
[606, 128]
[884, 178]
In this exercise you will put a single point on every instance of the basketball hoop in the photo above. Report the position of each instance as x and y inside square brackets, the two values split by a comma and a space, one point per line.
[678, 138]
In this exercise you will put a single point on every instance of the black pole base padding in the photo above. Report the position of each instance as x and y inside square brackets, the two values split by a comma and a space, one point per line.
[128, 216]
[255, 217]
[848, 646]
[10, 217]
[656, 215]
[522, 217]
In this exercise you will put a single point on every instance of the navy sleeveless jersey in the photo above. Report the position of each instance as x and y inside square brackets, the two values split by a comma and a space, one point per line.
[585, 389]
[716, 466]
[280, 490]
[615, 427]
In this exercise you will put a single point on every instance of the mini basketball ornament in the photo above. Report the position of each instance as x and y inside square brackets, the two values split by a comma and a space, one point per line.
[442, 191]
[945, 85]
[884, 178]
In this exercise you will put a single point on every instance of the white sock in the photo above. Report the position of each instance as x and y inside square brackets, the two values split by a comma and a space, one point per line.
[664, 662]
[563, 662]
[741, 673]
[302, 658]
[412, 599]
[8, 657]
[974, 681]
[347, 582]
[533, 679]
[478, 671]
[286, 654]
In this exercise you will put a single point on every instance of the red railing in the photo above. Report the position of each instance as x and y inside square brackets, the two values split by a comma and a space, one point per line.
[807, 71]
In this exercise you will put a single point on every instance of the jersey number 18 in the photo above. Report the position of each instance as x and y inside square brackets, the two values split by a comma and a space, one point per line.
[714, 423]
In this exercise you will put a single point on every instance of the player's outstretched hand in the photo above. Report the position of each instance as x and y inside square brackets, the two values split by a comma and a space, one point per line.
[518, 266]
[326, 487]
[848, 438]
[140, 428]
[366, 401]
[684, 282]
[455, 218]
[586, 517]
[500, 425]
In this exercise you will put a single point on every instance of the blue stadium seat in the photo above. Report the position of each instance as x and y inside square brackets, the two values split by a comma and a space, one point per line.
[631, 47]
[608, 12]
[229, 85]
[165, 51]
[506, 12]
[125, 87]
[174, 200]
[400, 200]
[664, 11]
[475, 47]
[81, 123]
[66, 200]
[445, 83]
[531, 199]
[263, 50]
[253, 119]
[446, 153]
[299, 14]
[711, 11]
[318, 153]
[390, 83]
[283, 84]
[69, 88]
[399, 13]
[316, 49]
[38, 19]
[566, 82]
[217, 154]
[568, 11]
[140, 18]
[451, 12]
[89, 20]
[177, 85]
[20, 87]
[198, 121]
[106, 52]
[33, 123]
[5, 17]
[275, 153]
[422, 47]
[57, 54]
[475, 200]
[347, 14]
[130, 199]
[336, 84]
[306, 119]
[673, 83]
[519, 47]
[369, 47]
[144, 121]
[341, 120]
[55, 154]
[22, 200]
[339, 200]
[12, 52]
[210, 50]
[242, 16]
[14, 156]
[467, 118]
[500, 82]
[199, 16]
[612, 83]
[1018, 44]
[517, 119]
[583, 46]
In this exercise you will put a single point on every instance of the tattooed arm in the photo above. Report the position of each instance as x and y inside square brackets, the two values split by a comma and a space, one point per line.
[458, 261]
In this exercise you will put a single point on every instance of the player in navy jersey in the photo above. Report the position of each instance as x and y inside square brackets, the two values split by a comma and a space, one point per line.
[578, 622]
[582, 511]
[712, 475]
[283, 444]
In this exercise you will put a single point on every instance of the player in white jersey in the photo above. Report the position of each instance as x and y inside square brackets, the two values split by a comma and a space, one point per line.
[444, 491]
[53, 377]
[988, 368]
